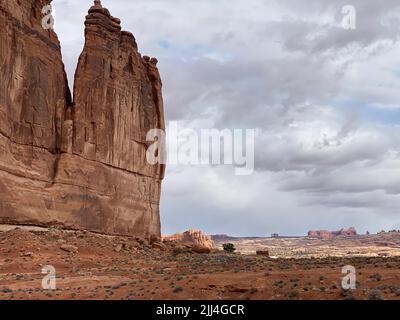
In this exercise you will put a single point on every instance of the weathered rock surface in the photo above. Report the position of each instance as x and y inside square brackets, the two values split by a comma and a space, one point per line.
[69, 248]
[331, 234]
[201, 249]
[159, 245]
[193, 238]
[78, 164]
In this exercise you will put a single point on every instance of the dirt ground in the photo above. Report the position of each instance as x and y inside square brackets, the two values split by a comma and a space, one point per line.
[91, 266]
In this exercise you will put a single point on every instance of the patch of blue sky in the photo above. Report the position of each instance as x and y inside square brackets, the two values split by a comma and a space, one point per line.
[193, 51]
[371, 112]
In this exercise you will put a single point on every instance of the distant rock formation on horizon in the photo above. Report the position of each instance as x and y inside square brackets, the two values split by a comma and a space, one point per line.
[331, 234]
[77, 164]
[222, 237]
[191, 237]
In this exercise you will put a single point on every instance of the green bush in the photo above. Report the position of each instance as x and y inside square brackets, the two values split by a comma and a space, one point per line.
[229, 247]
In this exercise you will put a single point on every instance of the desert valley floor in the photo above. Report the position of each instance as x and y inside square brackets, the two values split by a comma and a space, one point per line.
[92, 266]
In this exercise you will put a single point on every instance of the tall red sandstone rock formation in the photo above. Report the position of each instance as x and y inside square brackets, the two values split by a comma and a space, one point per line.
[77, 164]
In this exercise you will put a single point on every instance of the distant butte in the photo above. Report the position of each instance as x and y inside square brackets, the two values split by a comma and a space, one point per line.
[331, 234]
[191, 237]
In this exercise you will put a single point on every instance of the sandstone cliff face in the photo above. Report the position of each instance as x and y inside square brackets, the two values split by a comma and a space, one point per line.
[191, 237]
[77, 164]
[331, 234]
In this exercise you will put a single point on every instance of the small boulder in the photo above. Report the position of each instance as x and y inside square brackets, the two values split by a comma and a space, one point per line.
[119, 247]
[69, 248]
[233, 288]
[159, 246]
[27, 254]
[201, 250]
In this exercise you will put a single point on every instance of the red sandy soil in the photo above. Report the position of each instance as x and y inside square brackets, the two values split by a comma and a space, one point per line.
[123, 268]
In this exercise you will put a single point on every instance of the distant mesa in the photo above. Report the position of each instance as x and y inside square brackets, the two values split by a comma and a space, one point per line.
[191, 237]
[325, 234]
[222, 237]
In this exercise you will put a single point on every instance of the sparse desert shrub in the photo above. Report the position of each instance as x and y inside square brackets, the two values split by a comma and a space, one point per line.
[345, 292]
[376, 294]
[179, 250]
[333, 286]
[376, 276]
[348, 294]
[294, 294]
[350, 297]
[253, 290]
[283, 265]
[229, 247]
[278, 283]
[178, 289]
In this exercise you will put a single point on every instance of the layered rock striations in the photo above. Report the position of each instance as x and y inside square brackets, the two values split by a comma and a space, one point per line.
[78, 164]
[191, 237]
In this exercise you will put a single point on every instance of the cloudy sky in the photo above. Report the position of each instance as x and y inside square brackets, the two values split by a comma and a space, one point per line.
[325, 102]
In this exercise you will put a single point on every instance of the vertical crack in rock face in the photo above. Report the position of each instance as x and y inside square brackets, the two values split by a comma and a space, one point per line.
[79, 164]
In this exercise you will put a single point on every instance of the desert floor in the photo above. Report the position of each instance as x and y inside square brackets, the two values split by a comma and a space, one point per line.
[91, 266]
